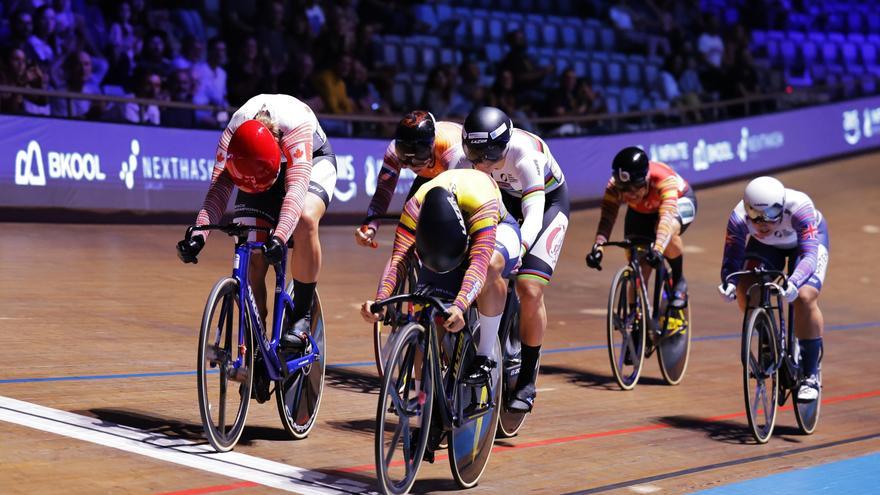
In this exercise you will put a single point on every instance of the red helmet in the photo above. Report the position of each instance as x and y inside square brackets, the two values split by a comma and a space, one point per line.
[253, 158]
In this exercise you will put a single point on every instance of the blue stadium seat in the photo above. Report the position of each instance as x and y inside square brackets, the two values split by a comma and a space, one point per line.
[569, 34]
[629, 100]
[830, 53]
[597, 72]
[855, 21]
[810, 51]
[477, 29]
[606, 35]
[532, 33]
[443, 12]
[447, 55]
[590, 38]
[869, 55]
[872, 20]
[788, 52]
[390, 54]
[652, 76]
[869, 84]
[759, 38]
[400, 94]
[634, 73]
[611, 103]
[409, 57]
[797, 36]
[429, 57]
[496, 29]
[562, 63]
[850, 54]
[857, 38]
[580, 66]
[550, 34]
[615, 73]
[526, 5]
[494, 52]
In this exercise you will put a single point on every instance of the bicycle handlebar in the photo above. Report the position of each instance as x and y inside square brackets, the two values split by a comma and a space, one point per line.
[231, 229]
[631, 241]
[761, 272]
[385, 216]
[420, 298]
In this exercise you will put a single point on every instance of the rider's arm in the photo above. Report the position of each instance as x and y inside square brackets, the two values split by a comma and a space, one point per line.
[531, 171]
[219, 190]
[610, 207]
[668, 212]
[388, 177]
[297, 145]
[805, 223]
[734, 244]
[404, 240]
[482, 226]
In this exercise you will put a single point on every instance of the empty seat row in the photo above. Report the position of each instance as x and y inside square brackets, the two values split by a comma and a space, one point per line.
[568, 34]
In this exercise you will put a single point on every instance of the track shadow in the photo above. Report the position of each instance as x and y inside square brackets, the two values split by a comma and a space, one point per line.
[435, 485]
[352, 380]
[363, 426]
[589, 379]
[733, 432]
[173, 428]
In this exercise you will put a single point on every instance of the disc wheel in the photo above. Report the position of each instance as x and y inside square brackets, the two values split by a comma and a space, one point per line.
[675, 347]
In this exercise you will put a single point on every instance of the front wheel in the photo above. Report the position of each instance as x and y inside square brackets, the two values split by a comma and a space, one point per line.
[807, 412]
[298, 395]
[403, 415]
[225, 366]
[627, 313]
[760, 359]
[510, 422]
[383, 336]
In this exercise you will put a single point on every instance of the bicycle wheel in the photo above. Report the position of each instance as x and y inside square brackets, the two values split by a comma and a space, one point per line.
[760, 358]
[401, 432]
[675, 344]
[226, 358]
[298, 396]
[382, 335]
[510, 422]
[626, 328]
[807, 413]
[471, 441]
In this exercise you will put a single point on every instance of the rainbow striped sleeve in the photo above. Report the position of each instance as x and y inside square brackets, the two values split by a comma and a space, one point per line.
[480, 254]
[387, 181]
[404, 240]
[668, 211]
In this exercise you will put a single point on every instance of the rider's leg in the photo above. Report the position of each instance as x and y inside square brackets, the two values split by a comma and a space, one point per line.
[808, 326]
[491, 304]
[306, 256]
[532, 324]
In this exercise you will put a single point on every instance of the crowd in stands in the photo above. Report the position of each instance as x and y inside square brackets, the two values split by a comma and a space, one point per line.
[330, 54]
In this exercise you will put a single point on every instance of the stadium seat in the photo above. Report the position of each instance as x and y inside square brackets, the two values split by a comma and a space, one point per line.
[810, 51]
[390, 54]
[850, 54]
[615, 73]
[634, 73]
[597, 72]
[606, 35]
[830, 53]
[550, 34]
[872, 21]
[652, 75]
[580, 67]
[629, 100]
[477, 29]
[494, 52]
[447, 56]
[569, 35]
[532, 33]
[496, 29]
[429, 57]
[409, 57]
[590, 38]
[788, 52]
[400, 94]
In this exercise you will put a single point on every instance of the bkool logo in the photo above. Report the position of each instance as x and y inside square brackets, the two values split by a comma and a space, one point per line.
[29, 169]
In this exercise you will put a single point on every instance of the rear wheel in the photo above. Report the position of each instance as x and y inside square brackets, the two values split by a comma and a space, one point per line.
[760, 358]
[510, 422]
[470, 443]
[626, 328]
[675, 344]
[225, 367]
[807, 412]
[403, 415]
[298, 395]
[383, 335]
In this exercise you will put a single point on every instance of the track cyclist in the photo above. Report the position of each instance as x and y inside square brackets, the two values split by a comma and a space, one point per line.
[420, 144]
[455, 217]
[660, 206]
[776, 223]
[534, 190]
[276, 153]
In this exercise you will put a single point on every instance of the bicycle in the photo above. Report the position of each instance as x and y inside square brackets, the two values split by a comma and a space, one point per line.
[770, 356]
[468, 414]
[227, 350]
[635, 329]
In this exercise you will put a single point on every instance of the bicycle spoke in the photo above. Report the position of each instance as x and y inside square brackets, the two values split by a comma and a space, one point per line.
[394, 439]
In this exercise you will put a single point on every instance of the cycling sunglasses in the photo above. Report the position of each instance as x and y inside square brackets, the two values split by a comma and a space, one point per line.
[414, 155]
[491, 153]
[771, 214]
[629, 188]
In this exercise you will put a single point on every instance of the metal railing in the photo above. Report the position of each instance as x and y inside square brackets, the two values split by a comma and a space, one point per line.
[611, 122]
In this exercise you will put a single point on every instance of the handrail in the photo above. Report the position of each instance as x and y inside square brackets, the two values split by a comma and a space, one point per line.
[815, 95]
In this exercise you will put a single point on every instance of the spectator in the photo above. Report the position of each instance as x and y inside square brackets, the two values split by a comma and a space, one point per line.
[274, 41]
[16, 70]
[65, 19]
[710, 44]
[504, 97]
[563, 101]
[78, 68]
[439, 96]
[148, 85]
[297, 81]
[123, 44]
[364, 95]
[365, 46]
[191, 53]
[588, 100]
[470, 91]
[248, 77]
[331, 85]
[21, 29]
[155, 54]
[528, 76]
[42, 44]
[180, 86]
[315, 16]
[210, 80]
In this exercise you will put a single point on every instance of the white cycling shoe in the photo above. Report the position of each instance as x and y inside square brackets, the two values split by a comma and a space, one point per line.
[809, 390]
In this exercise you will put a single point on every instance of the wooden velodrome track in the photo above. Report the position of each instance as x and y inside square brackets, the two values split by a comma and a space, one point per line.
[99, 323]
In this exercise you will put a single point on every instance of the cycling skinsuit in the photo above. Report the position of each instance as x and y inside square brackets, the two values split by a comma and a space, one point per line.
[802, 233]
[488, 225]
[670, 199]
[308, 165]
[534, 190]
[447, 150]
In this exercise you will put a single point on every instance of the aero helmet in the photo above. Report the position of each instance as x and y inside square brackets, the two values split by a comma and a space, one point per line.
[764, 200]
[441, 235]
[253, 157]
[630, 167]
[485, 135]
[414, 138]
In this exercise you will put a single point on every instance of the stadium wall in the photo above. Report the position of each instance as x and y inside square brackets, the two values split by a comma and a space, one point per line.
[60, 169]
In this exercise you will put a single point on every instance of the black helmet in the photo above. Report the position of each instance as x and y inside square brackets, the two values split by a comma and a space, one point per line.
[630, 167]
[441, 235]
[485, 135]
[414, 138]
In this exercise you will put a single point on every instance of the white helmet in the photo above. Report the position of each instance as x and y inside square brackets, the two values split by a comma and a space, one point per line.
[764, 200]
